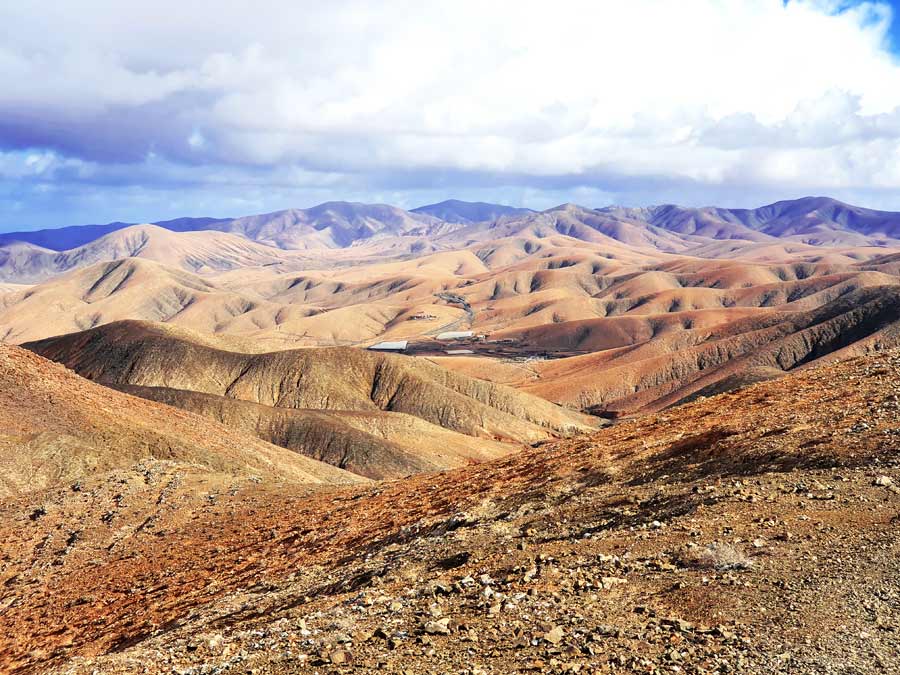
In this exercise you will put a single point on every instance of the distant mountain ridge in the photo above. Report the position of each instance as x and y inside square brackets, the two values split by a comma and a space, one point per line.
[343, 217]
[814, 219]
[194, 251]
[456, 211]
[810, 220]
[72, 236]
[490, 231]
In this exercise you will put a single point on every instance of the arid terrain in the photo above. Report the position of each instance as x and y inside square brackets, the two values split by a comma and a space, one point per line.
[616, 440]
[754, 531]
[611, 310]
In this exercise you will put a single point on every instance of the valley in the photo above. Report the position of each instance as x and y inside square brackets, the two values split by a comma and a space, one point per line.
[613, 310]
[463, 438]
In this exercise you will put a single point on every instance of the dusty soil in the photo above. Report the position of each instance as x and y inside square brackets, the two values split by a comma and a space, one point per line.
[756, 531]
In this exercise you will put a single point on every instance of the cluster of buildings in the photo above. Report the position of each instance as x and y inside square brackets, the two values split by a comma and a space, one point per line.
[448, 336]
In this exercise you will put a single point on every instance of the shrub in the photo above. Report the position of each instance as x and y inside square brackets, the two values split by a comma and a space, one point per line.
[717, 556]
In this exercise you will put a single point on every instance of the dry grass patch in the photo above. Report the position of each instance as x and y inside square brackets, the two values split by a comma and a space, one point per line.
[715, 556]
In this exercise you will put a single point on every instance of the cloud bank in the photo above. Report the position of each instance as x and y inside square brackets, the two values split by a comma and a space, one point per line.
[109, 111]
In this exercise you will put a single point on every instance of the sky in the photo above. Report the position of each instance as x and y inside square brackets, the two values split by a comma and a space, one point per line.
[114, 111]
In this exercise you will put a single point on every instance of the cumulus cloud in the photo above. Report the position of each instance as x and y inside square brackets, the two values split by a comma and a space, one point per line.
[530, 100]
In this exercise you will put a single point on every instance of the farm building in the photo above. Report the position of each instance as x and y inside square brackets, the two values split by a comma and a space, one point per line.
[395, 346]
[456, 335]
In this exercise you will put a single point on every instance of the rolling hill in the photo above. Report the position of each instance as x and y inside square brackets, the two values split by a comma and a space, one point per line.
[374, 444]
[456, 211]
[56, 427]
[616, 309]
[681, 541]
[144, 354]
[73, 236]
[378, 415]
[817, 221]
[198, 252]
[332, 225]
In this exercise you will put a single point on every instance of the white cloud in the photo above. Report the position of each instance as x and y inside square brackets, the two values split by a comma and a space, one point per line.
[702, 92]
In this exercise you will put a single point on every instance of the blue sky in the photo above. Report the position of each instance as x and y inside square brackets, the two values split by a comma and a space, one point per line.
[145, 113]
[895, 27]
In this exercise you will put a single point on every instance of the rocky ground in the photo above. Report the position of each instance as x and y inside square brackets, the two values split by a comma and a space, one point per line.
[753, 532]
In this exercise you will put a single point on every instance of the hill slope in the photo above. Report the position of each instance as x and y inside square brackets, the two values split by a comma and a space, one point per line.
[73, 236]
[456, 211]
[144, 354]
[198, 252]
[379, 415]
[650, 374]
[56, 426]
[693, 539]
[818, 221]
[379, 445]
[330, 225]
[122, 289]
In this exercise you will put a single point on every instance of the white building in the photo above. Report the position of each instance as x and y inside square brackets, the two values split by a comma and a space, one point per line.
[395, 346]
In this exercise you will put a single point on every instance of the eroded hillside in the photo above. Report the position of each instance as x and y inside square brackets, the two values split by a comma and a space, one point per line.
[613, 310]
[381, 415]
[751, 532]
[58, 427]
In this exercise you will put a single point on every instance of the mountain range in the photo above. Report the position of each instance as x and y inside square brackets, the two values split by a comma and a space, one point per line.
[465, 438]
[615, 310]
[810, 220]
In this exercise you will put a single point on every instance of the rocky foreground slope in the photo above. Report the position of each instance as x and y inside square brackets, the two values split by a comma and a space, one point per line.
[752, 532]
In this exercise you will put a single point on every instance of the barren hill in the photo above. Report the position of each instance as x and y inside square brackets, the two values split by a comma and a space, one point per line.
[753, 531]
[122, 289]
[144, 354]
[197, 252]
[378, 415]
[373, 444]
[811, 220]
[808, 226]
[456, 211]
[645, 365]
[57, 427]
[331, 225]
[618, 308]
[73, 236]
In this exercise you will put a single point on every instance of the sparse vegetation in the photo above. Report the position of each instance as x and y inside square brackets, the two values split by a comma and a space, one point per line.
[715, 556]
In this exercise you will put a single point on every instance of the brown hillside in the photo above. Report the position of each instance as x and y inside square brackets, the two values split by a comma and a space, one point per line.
[753, 532]
[374, 444]
[154, 355]
[662, 371]
[57, 427]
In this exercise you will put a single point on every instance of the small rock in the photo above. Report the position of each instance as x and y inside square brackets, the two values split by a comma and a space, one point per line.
[439, 627]
[555, 635]
[339, 656]
[215, 644]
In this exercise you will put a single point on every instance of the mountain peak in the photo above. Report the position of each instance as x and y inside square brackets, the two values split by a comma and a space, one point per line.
[457, 211]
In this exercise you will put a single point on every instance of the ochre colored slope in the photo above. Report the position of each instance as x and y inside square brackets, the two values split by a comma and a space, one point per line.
[374, 444]
[56, 426]
[602, 537]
